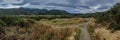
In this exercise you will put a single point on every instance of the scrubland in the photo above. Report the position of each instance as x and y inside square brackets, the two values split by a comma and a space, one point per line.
[19, 28]
[44, 29]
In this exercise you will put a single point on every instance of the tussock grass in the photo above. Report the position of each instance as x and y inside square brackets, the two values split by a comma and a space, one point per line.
[64, 21]
[105, 34]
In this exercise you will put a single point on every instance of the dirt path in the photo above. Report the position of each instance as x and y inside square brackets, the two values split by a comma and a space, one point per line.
[84, 33]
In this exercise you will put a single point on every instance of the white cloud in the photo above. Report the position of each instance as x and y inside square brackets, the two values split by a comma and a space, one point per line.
[25, 5]
[10, 6]
[95, 7]
[14, 6]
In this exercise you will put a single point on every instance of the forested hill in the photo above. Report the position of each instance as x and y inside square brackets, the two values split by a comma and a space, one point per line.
[112, 16]
[28, 11]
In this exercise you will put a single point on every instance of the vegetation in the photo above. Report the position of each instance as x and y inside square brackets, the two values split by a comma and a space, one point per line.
[40, 30]
[105, 34]
[112, 17]
[8, 21]
[107, 25]
[77, 37]
[36, 32]
[15, 21]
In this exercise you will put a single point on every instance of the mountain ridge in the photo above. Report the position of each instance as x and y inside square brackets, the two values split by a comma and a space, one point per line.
[32, 11]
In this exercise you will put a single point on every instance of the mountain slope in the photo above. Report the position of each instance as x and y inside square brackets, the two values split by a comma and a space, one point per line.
[27, 11]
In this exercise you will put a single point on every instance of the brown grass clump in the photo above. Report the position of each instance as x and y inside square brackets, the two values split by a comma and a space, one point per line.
[15, 33]
[43, 32]
[105, 34]
[91, 22]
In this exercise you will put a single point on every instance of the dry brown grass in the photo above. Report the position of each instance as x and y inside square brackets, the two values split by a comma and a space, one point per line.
[49, 33]
[43, 30]
[105, 34]
[37, 32]
[64, 21]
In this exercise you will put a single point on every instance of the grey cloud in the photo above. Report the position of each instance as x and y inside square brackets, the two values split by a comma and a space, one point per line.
[82, 6]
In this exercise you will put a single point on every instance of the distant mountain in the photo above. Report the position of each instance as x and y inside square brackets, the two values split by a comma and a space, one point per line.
[28, 11]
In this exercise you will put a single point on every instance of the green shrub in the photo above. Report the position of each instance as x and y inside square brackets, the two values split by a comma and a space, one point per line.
[2, 22]
[10, 20]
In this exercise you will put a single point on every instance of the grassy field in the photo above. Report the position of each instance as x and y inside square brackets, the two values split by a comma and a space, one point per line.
[19, 28]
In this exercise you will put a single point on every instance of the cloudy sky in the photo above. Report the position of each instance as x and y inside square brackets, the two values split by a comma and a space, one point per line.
[73, 6]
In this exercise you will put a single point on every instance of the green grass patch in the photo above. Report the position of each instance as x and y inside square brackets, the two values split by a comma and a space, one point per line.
[78, 32]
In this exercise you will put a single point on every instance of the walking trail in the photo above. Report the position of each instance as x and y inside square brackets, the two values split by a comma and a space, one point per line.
[84, 32]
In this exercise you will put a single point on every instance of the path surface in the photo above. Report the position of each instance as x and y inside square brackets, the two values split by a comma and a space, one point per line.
[84, 33]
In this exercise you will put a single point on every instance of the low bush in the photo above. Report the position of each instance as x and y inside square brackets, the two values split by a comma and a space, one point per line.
[8, 21]
[15, 21]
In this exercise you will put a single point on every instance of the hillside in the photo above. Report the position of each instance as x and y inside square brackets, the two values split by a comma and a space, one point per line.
[112, 17]
[28, 11]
